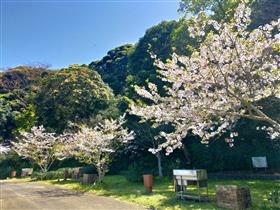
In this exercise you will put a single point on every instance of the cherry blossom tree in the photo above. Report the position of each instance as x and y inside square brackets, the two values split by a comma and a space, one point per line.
[97, 145]
[39, 146]
[221, 82]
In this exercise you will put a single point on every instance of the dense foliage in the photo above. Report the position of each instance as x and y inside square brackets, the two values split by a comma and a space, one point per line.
[158, 40]
[263, 11]
[70, 95]
[17, 87]
[113, 67]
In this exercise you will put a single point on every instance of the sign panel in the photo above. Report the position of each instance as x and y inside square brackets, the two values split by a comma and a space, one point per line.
[259, 162]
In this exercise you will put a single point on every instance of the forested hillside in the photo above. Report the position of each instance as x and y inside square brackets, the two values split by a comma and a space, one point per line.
[89, 93]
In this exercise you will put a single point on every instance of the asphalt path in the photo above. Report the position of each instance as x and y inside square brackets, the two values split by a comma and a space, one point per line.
[38, 196]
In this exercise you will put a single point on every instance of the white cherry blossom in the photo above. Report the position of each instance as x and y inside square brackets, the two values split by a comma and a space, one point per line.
[4, 149]
[221, 82]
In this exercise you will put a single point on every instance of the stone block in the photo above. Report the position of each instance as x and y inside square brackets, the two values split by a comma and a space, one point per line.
[233, 197]
[89, 178]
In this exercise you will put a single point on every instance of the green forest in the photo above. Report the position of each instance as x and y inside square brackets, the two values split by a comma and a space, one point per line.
[88, 94]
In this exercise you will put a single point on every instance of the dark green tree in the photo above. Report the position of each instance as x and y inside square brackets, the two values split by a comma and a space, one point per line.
[113, 67]
[157, 40]
[17, 87]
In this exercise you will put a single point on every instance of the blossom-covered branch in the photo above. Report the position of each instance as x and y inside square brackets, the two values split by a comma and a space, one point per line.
[219, 83]
[4, 149]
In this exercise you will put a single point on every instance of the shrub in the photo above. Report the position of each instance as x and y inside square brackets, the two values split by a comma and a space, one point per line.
[89, 169]
[50, 175]
[59, 173]
[12, 162]
[6, 172]
[135, 172]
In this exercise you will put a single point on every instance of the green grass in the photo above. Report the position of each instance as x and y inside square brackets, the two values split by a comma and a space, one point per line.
[163, 196]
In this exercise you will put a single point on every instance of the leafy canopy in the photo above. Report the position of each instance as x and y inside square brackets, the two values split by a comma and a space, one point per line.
[71, 94]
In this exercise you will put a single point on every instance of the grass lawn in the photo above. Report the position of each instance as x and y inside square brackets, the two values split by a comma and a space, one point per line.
[163, 196]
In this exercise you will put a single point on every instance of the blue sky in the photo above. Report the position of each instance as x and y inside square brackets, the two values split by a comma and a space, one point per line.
[63, 32]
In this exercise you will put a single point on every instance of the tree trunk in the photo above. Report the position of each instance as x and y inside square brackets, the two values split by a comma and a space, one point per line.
[43, 171]
[159, 164]
[100, 175]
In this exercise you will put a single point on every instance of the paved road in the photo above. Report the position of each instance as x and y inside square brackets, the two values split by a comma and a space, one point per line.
[37, 196]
